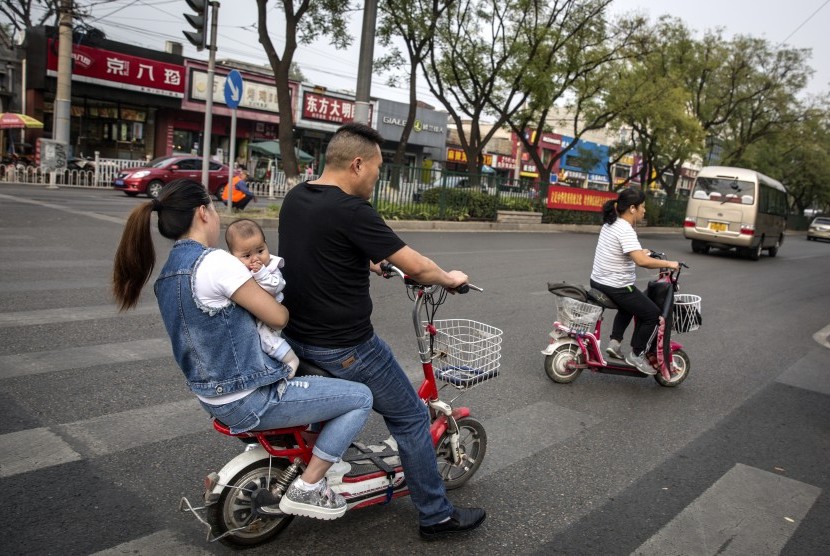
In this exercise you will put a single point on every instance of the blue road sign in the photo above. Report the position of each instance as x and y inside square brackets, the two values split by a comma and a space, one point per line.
[233, 89]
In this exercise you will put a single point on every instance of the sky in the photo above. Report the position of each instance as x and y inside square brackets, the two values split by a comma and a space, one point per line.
[797, 23]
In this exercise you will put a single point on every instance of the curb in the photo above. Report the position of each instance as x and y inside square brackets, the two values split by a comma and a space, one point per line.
[270, 223]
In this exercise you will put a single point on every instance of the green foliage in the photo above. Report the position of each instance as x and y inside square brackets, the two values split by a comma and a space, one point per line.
[476, 205]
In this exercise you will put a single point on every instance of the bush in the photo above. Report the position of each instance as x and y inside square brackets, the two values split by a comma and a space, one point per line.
[476, 205]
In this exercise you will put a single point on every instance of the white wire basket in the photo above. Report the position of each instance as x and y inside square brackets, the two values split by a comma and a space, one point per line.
[466, 352]
[686, 314]
[577, 316]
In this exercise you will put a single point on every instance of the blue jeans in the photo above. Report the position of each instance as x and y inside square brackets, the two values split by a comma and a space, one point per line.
[287, 403]
[373, 364]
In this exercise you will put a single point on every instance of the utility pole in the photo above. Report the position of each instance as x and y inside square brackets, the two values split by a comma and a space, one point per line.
[63, 94]
[214, 20]
[364, 66]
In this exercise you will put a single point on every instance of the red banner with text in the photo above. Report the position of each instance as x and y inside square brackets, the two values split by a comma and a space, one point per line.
[574, 198]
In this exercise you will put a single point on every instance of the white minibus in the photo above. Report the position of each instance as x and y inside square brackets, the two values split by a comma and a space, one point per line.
[735, 208]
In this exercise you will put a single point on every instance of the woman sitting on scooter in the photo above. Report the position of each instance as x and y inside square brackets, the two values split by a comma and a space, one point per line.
[210, 304]
[617, 255]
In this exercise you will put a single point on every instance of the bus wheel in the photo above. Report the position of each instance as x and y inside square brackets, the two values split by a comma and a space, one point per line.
[754, 253]
[773, 251]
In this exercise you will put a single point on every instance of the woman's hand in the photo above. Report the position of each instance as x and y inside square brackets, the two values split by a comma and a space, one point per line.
[261, 304]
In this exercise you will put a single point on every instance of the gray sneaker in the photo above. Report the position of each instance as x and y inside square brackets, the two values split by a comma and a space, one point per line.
[641, 363]
[320, 503]
[614, 349]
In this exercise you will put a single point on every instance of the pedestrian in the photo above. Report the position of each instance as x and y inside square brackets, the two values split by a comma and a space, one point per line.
[332, 237]
[209, 304]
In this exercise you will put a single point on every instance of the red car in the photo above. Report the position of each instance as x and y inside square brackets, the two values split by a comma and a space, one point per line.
[157, 173]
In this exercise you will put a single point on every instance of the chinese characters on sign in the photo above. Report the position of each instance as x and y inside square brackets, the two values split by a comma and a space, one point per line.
[458, 155]
[572, 198]
[329, 109]
[122, 71]
[256, 96]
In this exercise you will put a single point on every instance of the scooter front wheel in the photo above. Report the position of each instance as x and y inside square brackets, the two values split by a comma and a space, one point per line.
[232, 512]
[681, 365]
[565, 363]
[472, 443]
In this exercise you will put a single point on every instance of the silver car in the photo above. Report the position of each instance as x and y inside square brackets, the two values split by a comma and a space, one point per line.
[819, 228]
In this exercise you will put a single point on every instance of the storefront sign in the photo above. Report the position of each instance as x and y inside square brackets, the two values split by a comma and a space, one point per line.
[325, 108]
[256, 96]
[460, 157]
[573, 198]
[418, 126]
[122, 71]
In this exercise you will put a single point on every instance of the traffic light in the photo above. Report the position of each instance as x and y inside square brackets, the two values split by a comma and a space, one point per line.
[199, 22]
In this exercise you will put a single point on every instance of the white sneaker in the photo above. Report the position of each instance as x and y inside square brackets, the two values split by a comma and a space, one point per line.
[614, 349]
[641, 363]
[320, 503]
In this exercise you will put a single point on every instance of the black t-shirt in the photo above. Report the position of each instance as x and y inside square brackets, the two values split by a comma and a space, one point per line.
[327, 239]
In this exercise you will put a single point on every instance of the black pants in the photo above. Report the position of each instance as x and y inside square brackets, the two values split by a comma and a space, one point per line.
[631, 302]
[242, 203]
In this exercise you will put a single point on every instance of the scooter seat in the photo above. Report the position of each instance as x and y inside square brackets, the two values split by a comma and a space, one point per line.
[601, 299]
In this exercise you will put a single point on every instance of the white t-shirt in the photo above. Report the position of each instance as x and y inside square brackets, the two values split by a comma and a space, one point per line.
[218, 276]
[612, 264]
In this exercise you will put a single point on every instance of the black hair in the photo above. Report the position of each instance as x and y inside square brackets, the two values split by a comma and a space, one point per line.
[350, 141]
[631, 197]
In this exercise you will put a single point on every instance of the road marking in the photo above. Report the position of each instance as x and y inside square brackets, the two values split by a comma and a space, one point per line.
[117, 432]
[33, 449]
[29, 450]
[823, 336]
[68, 314]
[552, 424]
[104, 217]
[746, 511]
[809, 372]
[163, 542]
[81, 357]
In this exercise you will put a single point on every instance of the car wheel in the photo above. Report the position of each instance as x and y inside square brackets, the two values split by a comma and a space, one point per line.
[773, 251]
[754, 253]
[154, 188]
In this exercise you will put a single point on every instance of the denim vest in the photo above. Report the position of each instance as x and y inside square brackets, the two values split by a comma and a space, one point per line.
[218, 350]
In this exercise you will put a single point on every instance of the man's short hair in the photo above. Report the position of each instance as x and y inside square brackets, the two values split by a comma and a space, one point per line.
[351, 141]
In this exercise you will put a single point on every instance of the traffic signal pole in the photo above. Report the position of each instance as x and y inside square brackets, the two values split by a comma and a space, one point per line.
[214, 19]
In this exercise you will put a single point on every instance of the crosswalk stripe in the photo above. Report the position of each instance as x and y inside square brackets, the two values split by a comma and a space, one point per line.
[29, 450]
[68, 314]
[809, 372]
[162, 542]
[33, 449]
[80, 357]
[746, 511]
[117, 432]
[508, 431]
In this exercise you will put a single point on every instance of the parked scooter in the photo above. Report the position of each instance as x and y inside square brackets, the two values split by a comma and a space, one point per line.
[575, 338]
[459, 353]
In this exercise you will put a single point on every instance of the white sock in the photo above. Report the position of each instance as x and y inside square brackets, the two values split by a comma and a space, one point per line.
[308, 487]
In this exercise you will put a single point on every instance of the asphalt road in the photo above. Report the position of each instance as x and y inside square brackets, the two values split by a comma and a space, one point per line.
[99, 439]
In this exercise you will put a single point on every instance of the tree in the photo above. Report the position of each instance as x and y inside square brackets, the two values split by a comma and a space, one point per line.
[478, 56]
[568, 81]
[413, 22]
[303, 23]
[21, 14]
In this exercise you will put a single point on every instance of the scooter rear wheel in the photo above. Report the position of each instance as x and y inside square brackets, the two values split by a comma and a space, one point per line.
[681, 364]
[472, 442]
[560, 365]
[233, 509]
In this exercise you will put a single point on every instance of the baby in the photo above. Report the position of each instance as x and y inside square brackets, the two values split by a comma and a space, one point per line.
[246, 242]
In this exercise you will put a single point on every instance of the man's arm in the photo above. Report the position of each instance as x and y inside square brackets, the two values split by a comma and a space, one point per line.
[424, 270]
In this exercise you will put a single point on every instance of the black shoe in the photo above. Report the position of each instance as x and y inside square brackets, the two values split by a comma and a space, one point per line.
[462, 520]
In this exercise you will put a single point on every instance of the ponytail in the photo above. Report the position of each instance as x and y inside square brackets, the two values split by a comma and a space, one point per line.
[134, 259]
[609, 212]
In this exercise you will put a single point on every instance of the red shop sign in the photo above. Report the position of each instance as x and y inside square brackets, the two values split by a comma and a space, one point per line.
[329, 109]
[122, 71]
[574, 198]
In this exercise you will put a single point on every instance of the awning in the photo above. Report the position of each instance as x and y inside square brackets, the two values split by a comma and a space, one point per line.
[272, 149]
[10, 120]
